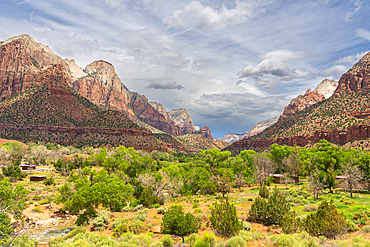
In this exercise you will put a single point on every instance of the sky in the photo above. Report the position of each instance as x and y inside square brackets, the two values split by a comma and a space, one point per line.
[230, 64]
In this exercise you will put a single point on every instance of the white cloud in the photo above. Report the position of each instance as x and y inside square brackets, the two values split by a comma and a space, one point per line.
[196, 15]
[276, 64]
[351, 59]
[363, 33]
[334, 72]
[165, 85]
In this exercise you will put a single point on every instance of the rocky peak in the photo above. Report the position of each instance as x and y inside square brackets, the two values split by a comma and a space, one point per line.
[160, 108]
[357, 79]
[302, 102]
[327, 88]
[182, 119]
[76, 71]
[206, 132]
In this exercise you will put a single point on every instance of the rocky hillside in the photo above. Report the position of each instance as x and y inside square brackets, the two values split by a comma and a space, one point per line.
[341, 118]
[54, 112]
[323, 91]
[231, 138]
[22, 58]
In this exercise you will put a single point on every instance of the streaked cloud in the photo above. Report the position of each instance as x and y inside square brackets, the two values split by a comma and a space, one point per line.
[165, 85]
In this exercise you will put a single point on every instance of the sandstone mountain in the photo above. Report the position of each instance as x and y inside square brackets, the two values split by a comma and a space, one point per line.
[323, 91]
[54, 112]
[231, 138]
[341, 118]
[22, 58]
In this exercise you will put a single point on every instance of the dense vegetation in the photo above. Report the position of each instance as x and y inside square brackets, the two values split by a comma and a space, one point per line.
[124, 179]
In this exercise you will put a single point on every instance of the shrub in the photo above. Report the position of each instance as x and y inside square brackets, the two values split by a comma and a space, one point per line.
[162, 210]
[264, 192]
[148, 198]
[246, 226]
[128, 208]
[195, 204]
[198, 210]
[101, 221]
[224, 219]
[176, 222]
[37, 209]
[167, 241]
[327, 221]
[135, 227]
[49, 181]
[208, 240]
[236, 241]
[366, 229]
[141, 215]
[351, 226]
[270, 211]
[156, 205]
[310, 208]
[246, 235]
[138, 207]
[291, 223]
[360, 215]
[118, 222]
[283, 240]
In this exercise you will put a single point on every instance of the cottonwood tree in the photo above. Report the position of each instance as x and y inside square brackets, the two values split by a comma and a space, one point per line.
[291, 164]
[287, 179]
[12, 203]
[4, 155]
[223, 184]
[239, 180]
[316, 184]
[264, 167]
[352, 177]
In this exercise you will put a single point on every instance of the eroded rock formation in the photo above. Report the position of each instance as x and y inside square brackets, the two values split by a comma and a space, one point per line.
[206, 132]
[356, 79]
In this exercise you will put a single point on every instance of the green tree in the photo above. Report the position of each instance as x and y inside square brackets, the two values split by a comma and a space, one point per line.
[224, 219]
[176, 222]
[89, 189]
[148, 198]
[272, 210]
[326, 221]
[12, 203]
[13, 172]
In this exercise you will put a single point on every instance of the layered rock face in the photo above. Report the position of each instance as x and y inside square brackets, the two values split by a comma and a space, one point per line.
[302, 102]
[327, 88]
[323, 91]
[356, 79]
[22, 59]
[231, 138]
[206, 132]
[182, 119]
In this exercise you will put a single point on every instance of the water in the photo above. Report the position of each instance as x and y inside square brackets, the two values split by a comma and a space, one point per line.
[47, 234]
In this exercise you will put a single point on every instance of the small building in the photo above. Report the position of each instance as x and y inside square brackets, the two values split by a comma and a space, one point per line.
[279, 178]
[27, 167]
[38, 178]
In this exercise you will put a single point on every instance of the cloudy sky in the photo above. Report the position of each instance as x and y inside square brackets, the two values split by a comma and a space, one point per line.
[230, 63]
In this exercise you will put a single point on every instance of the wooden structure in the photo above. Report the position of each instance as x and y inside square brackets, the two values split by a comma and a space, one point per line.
[278, 178]
[38, 178]
[27, 167]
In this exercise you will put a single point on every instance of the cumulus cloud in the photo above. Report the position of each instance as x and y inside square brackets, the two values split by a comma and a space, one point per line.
[363, 33]
[275, 64]
[335, 71]
[165, 85]
[271, 85]
[351, 59]
[196, 15]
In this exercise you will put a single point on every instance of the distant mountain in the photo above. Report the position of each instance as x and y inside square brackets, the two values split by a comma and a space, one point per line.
[231, 138]
[341, 118]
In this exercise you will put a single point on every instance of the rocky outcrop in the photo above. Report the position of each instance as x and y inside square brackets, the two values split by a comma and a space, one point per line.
[259, 127]
[160, 108]
[22, 59]
[302, 102]
[182, 119]
[356, 79]
[206, 132]
[327, 88]
[337, 136]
